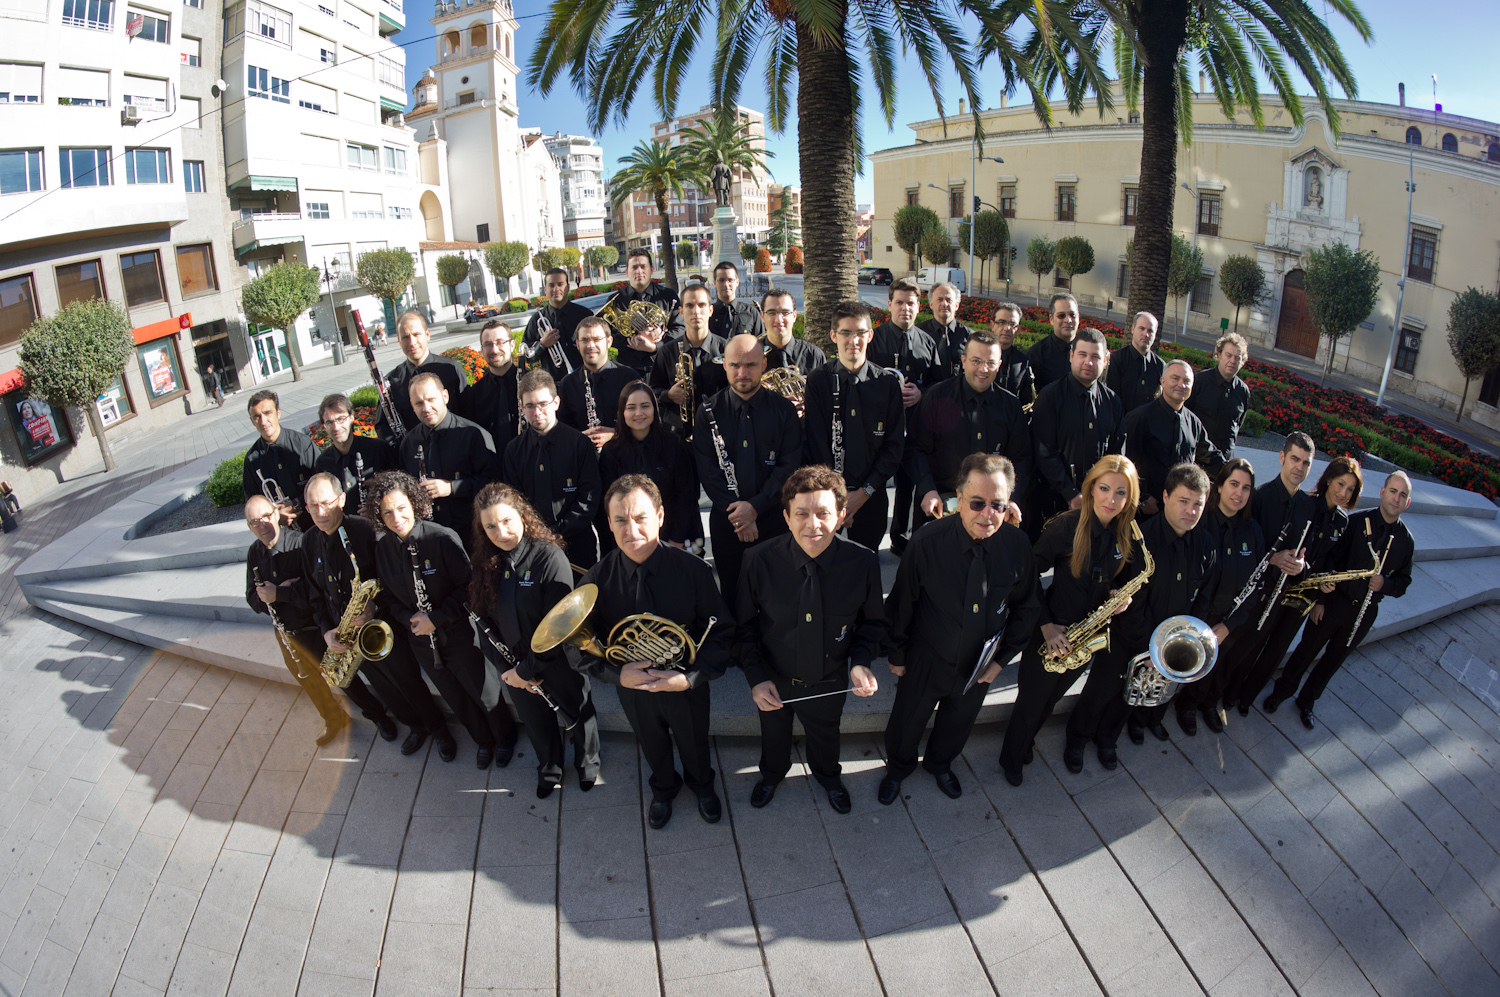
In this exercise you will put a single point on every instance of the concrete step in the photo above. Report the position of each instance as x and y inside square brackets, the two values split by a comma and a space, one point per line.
[209, 592]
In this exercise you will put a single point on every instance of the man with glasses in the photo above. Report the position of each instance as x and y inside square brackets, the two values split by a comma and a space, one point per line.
[559, 317]
[1135, 369]
[351, 458]
[732, 316]
[556, 468]
[856, 424]
[1015, 370]
[705, 353]
[493, 402]
[589, 398]
[778, 313]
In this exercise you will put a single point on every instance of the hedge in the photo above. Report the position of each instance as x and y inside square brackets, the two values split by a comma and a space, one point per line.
[226, 485]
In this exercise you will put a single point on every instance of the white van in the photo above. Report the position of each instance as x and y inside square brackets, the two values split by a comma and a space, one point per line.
[929, 277]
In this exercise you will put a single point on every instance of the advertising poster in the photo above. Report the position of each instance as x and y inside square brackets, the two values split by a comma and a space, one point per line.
[40, 430]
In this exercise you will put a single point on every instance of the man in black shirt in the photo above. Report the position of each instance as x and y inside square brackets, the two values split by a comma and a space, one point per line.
[665, 705]
[1220, 399]
[1164, 433]
[946, 330]
[965, 580]
[778, 313]
[704, 350]
[556, 468]
[732, 316]
[451, 456]
[349, 457]
[1135, 369]
[1049, 356]
[861, 404]
[274, 586]
[810, 624]
[899, 345]
[492, 402]
[635, 349]
[414, 337]
[1015, 373]
[549, 333]
[589, 398]
[748, 444]
[1339, 621]
[964, 415]
[279, 463]
[1075, 421]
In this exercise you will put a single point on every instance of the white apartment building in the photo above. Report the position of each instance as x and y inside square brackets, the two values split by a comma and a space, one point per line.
[319, 162]
[580, 176]
[111, 186]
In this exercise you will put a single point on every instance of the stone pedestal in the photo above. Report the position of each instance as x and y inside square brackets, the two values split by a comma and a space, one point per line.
[726, 236]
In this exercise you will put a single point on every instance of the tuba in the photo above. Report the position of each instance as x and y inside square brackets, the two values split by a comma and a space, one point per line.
[1182, 650]
[641, 637]
[370, 642]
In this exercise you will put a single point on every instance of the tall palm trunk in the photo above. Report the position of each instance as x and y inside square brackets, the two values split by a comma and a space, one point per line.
[825, 154]
[1163, 30]
[668, 251]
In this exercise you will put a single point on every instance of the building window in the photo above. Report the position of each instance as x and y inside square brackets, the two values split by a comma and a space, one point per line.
[361, 157]
[79, 282]
[20, 83]
[403, 214]
[956, 202]
[1413, 137]
[1135, 117]
[152, 28]
[391, 72]
[195, 269]
[192, 51]
[482, 233]
[83, 167]
[1130, 205]
[146, 166]
[318, 210]
[1203, 295]
[17, 308]
[1407, 348]
[1450, 143]
[192, 176]
[161, 370]
[1208, 214]
[95, 14]
[1008, 200]
[395, 160]
[141, 275]
[20, 171]
[1422, 256]
[1067, 204]
[263, 84]
[329, 56]
[912, 196]
[271, 23]
[192, 3]
[1494, 152]
[1122, 281]
[1062, 280]
[1489, 388]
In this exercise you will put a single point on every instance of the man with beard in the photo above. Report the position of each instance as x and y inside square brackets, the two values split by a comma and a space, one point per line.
[778, 313]
[549, 333]
[492, 402]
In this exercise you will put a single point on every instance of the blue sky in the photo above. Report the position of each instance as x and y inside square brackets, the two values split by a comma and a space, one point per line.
[1450, 38]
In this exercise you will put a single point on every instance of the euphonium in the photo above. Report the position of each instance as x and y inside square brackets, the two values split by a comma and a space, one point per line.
[1091, 634]
[370, 642]
[641, 637]
[1182, 650]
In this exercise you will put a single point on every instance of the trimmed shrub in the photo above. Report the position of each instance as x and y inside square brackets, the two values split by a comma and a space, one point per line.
[364, 396]
[226, 485]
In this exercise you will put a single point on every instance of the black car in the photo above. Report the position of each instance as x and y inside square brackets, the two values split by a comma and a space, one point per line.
[875, 275]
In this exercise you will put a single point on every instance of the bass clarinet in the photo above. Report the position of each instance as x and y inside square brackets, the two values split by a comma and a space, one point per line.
[387, 406]
[424, 604]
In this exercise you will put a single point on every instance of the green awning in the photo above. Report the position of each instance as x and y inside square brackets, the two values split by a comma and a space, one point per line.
[275, 240]
[267, 183]
[394, 24]
[394, 105]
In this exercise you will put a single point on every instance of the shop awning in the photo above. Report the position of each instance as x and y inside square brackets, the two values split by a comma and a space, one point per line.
[267, 183]
[166, 327]
[271, 240]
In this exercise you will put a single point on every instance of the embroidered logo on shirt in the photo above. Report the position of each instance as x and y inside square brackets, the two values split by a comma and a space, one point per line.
[526, 579]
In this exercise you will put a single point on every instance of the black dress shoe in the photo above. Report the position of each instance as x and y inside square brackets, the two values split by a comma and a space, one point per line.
[1136, 731]
[1012, 777]
[585, 784]
[659, 814]
[709, 808]
[1108, 758]
[1188, 721]
[447, 747]
[1211, 720]
[838, 798]
[544, 789]
[948, 783]
[483, 757]
[1307, 718]
[1244, 709]
[762, 794]
[504, 753]
[1270, 704]
[387, 728]
[1159, 730]
[1073, 756]
[890, 788]
[1030, 754]
[414, 741]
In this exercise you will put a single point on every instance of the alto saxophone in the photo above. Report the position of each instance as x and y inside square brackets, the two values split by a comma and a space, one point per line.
[1091, 634]
[1302, 595]
[685, 382]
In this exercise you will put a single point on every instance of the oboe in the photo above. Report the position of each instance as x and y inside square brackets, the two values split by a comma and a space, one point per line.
[424, 605]
[1260, 569]
[722, 452]
[1280, 583]
[1369, 593]
[566, 719]
[387, 406]
[837, 444]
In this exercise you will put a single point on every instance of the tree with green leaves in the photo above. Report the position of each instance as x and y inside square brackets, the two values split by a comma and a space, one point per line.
[1041, 258]
[548, 259]
[747, 250]
[1152, 51]
[73, 355]
[1243, 282]
[386, 273]
[611, 51]
[505, 260]
[278, 297]
[1075, 255]
[601, 258]
[991, 235]
[1474, 337]
[656, 170]
[937, 246]
[1183, 274]
[572, 256]
[687, 252]
[782, 220]
[911, 222]
[1342, 287]
[724, 138]
[452, 270]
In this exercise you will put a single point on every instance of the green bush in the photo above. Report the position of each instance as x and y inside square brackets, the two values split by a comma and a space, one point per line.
[364, 397]
[1254, 425]
[517, 305]
[226, 486]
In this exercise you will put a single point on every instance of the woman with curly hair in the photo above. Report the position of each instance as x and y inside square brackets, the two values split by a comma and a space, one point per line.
[642, 444]
[521, 572]
[424, 581]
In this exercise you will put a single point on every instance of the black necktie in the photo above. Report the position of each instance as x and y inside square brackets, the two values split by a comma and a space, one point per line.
[642, 598]
[974, 597]
[810, 626]
[510, 623]
[744, 457]
[543, 486]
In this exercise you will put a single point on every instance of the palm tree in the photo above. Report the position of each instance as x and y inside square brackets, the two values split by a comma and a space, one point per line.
[655, 169]
[610, 50]
[1229, 39]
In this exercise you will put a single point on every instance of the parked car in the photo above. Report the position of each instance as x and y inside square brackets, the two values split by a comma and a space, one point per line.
[930, 277]
[875, 275]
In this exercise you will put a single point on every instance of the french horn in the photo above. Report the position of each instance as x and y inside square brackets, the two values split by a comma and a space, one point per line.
[639, 637]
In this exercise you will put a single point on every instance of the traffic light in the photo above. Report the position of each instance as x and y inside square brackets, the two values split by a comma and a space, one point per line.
[976, 204]
[1013, 252]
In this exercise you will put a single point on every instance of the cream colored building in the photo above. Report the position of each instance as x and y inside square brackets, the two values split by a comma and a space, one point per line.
[1273, 194]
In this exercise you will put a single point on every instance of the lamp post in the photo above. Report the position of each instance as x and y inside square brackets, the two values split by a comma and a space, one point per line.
[1390, 356]
[974, 158]
[330, 275]
[1188, 310]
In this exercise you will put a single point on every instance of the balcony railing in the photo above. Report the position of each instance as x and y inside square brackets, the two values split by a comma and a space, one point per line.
[466, 52]
[454, 6]
[251, 215]
[477, 97]
[393, 4]
[91, 23]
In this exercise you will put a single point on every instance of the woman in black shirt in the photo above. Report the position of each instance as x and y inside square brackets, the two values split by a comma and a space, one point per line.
[1090, 552]
[643, 445]
[521, 572]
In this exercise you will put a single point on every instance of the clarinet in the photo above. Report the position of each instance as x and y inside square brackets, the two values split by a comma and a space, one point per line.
[588, 401]
[1369, 592]
[568, 720]
[1280, 583]
[1260, 569]
[722, 453]
[424, 604]
[359, 480]
[281, 634]
[837, 443]
[387, 406]
[421, 463]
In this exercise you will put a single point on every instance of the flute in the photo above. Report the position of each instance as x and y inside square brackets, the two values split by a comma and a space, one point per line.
[1280, 583]
[1369, 593]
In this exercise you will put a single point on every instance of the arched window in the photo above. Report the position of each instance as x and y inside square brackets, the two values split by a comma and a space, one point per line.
[1413, 137]
[477, 36]
[1450, 144]
[1494, 152]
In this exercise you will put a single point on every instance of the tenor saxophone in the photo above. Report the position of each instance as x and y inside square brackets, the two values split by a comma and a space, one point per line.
[370, 642]
[1091, 634]
[685, 382]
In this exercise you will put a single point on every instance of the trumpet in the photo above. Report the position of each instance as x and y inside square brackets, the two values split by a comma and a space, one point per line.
[555, 352]
[271, 489]
[639, 637]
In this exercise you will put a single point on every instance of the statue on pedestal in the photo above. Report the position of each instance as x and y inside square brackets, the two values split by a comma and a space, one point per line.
[722, 178]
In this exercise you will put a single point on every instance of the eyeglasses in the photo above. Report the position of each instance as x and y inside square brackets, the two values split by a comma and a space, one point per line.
[978, 364]
[978, 505]
[1003, 323]
[780, 312]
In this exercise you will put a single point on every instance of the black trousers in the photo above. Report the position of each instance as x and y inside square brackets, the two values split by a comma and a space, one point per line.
[361, 695]
[901, 509]
[820, 721]
[868, 526]
[582, 547]
[664, 719]
[1281, 629]
[927, 685]
[729, 550]
[570, 690]
[1209, 690]
[460, 681]
[397, 679]
[304, 667]
[1038, 692]
[1101, 710]
[1335, 636]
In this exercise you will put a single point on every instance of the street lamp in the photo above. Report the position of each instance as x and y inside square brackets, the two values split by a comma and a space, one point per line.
[330, 276]
[1390, 356]
[1188, 310]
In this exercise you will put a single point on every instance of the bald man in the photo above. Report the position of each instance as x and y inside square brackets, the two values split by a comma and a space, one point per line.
[452, 457]
[747, 442]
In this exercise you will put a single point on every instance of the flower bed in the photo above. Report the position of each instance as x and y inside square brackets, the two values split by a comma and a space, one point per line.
[470, 359]
[364, 425]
